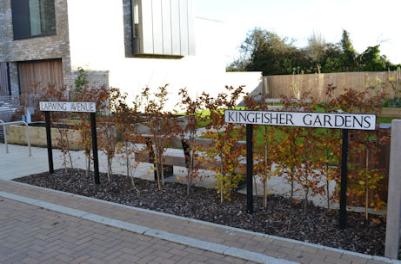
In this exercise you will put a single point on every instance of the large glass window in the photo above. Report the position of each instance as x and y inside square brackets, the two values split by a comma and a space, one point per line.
[136, 26]
[33, 18]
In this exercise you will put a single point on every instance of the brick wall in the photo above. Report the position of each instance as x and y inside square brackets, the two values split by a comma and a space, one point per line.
[37, 48]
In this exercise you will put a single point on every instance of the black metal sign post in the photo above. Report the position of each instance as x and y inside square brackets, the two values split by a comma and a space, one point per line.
[249, 168]
[49, 142]
[94, 148]
[344, 174]
[75, 107]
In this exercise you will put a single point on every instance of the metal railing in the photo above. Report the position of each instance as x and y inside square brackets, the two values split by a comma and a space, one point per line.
[8, 107]
[10, 100]
[27, 134]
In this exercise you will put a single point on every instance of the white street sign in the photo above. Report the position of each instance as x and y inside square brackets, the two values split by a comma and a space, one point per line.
[77, 107]
[322, 120]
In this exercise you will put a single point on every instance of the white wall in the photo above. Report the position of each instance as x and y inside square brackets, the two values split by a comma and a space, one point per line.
[97, 44]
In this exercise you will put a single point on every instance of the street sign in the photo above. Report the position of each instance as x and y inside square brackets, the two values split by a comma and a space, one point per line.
[72, 107]
[316, 120]
[75, 107]
[343, 121]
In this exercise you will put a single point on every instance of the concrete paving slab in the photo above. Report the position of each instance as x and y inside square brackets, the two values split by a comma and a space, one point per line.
[17, 163]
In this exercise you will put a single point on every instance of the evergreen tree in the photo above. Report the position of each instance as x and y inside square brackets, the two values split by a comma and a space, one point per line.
[349, 53]
[273, 55]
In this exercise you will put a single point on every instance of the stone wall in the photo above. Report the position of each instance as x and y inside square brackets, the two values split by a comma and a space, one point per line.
[96, 79]
[37, 48]
[17, 135]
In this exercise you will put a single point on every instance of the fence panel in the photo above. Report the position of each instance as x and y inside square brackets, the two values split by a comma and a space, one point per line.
[294, 85]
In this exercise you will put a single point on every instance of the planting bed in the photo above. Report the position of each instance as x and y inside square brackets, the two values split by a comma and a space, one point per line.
[281, 218]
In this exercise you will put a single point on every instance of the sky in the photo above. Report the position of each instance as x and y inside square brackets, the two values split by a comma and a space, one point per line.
[369, 22]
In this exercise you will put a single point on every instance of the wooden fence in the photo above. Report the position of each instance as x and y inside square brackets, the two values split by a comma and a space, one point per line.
[294, 85]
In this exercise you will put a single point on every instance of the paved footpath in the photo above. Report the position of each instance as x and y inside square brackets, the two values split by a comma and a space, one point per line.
[18, 163]
[30, 234]
[85, 230]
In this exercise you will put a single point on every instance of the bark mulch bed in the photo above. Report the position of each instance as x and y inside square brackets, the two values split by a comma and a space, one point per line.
[281, 218]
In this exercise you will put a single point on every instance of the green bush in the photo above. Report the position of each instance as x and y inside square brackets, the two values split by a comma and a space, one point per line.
[395, 102]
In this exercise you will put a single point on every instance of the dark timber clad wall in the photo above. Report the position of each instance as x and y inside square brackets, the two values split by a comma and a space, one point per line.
[4, 79]
[40, 74]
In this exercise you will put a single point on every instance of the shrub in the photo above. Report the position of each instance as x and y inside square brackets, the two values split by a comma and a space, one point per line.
[225, 148]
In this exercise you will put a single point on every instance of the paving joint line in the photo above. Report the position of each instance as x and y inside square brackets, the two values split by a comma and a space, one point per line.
[226, 228]
[155, 233]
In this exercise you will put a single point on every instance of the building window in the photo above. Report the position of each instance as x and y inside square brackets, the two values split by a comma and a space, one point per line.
[136, 26]
[33, 18]
[162, 28]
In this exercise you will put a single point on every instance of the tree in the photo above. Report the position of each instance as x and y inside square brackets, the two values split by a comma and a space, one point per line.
[372, 60]
[328, 145]
[108, 142]
[316, 50]
[365, 179]
[266, 51]
[192, 109]
[348, 52]
[316, 47]
[86, 142]
[52, 93]
[265, 154]
[89, 94]
[289, 152]
[162, 124]
[265, 160]
[225, 149]
[331, 60]
[63, 142]
[125, 119]
[81, 81]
